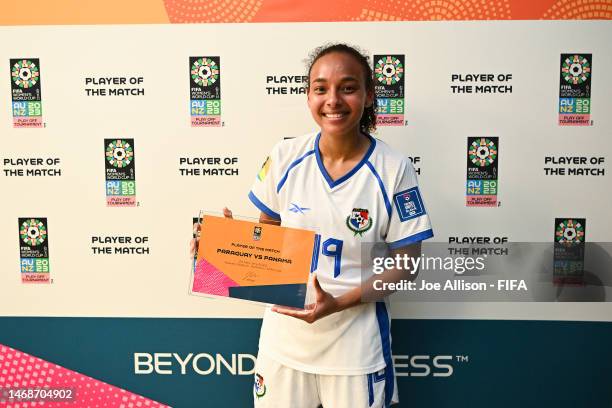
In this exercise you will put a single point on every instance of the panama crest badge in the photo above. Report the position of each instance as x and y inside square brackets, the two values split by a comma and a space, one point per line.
[259, 386]
[359, 221]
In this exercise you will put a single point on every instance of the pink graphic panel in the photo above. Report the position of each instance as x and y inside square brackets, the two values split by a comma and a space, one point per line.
[575, 120]
[27, 122]
[481, 201]
[210, 280]
[121, 201]
[390, 120]
[35, 277]
[205, 121]
[21, 372]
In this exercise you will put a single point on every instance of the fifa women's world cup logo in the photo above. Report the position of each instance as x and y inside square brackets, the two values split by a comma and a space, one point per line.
[575, 90]
[25, 90]
[389, 70]
[34, 250]
[389, 89]
[120, 172]
[481, 188]
[576, 69]
[205, 91]
[483, 152]
[569, 231]
[569, 249]
[33, 232]
[204, 71]
[119, 153]
[25, 74]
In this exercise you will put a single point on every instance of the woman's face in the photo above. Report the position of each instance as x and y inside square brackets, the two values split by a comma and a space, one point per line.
[337, 94]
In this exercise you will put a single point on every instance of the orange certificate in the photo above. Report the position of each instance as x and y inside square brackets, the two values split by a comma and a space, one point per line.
[253, 261]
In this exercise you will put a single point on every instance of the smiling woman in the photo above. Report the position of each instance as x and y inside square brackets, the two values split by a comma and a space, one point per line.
[341, 180]
[342, 102]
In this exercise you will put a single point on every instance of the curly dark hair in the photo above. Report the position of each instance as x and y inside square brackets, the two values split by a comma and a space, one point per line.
[367, 123]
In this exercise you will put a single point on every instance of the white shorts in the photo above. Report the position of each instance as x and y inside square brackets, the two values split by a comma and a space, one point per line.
[278, 386]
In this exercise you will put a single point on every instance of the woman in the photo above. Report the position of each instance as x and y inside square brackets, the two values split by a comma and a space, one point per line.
[354, 189]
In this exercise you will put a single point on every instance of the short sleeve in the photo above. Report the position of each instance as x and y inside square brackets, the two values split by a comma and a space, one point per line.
[263, 194]
[409, 222]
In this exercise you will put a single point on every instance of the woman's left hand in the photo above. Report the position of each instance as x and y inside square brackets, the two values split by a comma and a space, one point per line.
[325, 305]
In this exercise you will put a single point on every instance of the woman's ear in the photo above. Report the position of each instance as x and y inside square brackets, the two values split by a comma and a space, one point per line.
[369, 99]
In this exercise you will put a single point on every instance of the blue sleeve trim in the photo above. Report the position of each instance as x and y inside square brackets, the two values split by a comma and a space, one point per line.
[421, 236]
[385, 337]
[382, 188]
[262, 207]
[292, 165]
[370, 390]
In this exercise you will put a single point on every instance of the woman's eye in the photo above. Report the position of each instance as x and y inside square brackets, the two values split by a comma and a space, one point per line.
[349, 89]
[319, 89]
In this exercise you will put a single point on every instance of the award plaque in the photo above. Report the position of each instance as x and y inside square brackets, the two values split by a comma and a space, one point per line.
[253, 261]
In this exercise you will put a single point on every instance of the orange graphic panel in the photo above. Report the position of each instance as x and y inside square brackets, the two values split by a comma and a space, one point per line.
[581, 10]
[254, 254]
[244, 11]
[398, 10]
[83, 12]
[223, 11]
[205, 11]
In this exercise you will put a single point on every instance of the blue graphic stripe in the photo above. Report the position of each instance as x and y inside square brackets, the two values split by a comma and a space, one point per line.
[421, 236]
[385, 336]
[348, 175]
[109, 358]
[290, 294]
[292, 165]
[370, 390]
[315, 253]
[262, 207]
[382, 188]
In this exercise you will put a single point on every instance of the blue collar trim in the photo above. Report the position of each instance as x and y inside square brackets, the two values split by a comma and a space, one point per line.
[348, 175]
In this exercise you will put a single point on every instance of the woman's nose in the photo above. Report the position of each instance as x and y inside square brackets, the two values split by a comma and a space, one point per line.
[333, 98]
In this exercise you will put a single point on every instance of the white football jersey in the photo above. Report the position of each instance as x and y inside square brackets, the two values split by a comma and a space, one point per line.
[377, 201]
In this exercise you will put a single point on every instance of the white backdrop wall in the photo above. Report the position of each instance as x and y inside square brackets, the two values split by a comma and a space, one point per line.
[439, 122]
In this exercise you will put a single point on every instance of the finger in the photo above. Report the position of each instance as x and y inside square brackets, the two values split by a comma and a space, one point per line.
[276, 307]
[319, 292]
[288, 311]
[291, 312]
[297, 315]
[310, 306]
[227, 213]
[317, 285]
